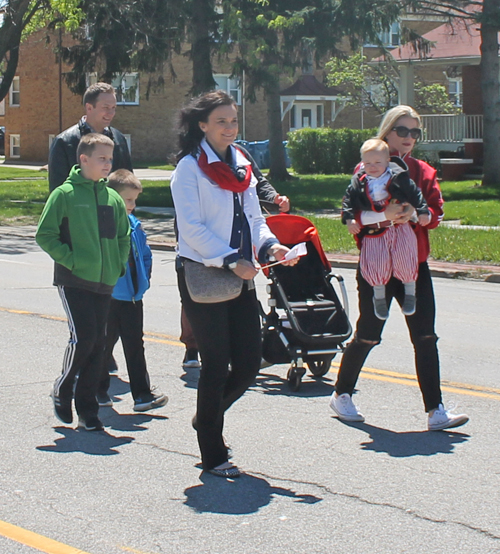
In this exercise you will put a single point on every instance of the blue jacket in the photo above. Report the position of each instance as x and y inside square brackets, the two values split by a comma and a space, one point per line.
[124, 288]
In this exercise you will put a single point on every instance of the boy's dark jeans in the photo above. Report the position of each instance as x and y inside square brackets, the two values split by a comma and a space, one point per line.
[87, 314]
[226, 332]
[125, 321]
[421, 326]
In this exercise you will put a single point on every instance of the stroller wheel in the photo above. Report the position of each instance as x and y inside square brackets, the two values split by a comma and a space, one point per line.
[320, 367]
[294, 378]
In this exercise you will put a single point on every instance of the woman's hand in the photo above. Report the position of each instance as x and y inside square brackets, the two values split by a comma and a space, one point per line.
[245, 269]
[279, 251]
[353, 227]
[393, 211]
[405, 214]
[283, 203]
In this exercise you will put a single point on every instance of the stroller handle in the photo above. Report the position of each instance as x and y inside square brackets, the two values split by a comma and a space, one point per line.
[345, 300]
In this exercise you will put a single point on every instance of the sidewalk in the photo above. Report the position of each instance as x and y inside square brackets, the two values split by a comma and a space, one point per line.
[161, 236]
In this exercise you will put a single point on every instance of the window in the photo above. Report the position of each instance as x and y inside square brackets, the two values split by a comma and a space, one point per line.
[390, 37]
[127, 88]
[455, 91]
[231, 86]
[15, 146]
[14, 93]
[309, 114]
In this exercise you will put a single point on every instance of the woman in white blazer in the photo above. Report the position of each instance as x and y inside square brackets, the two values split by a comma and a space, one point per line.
[220, 224]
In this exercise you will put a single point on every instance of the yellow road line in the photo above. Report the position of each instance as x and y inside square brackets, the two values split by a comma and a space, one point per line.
[367, 372]
[411, 381]
[38, 542]
[133, 550]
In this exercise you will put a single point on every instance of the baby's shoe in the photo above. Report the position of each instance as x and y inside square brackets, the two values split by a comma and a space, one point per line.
[409, 304]
[380, 307]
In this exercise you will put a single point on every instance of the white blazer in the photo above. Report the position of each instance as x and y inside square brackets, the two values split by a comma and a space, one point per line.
[205, 212]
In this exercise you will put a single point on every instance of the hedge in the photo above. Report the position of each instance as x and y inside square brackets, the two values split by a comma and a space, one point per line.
[325, 150]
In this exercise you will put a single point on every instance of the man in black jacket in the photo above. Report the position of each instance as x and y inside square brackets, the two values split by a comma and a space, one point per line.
[100, 106]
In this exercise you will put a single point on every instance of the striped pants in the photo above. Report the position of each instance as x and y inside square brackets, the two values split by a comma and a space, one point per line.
[87, 314]
[393, 253]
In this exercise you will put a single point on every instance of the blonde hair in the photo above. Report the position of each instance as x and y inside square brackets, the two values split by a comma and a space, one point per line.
[375, 145]
[122, 179]
[88, 143]
[390, 118]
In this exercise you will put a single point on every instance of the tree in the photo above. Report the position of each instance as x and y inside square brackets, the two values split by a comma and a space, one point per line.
[276, 37]
[375, 85]
[141, 35]
[21, 17]
[486, 14]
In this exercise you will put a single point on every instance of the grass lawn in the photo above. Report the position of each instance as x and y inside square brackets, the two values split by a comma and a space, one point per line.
[447, 244]
[21, 202]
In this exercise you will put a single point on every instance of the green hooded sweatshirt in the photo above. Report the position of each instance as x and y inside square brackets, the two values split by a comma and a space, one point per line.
[85, 229]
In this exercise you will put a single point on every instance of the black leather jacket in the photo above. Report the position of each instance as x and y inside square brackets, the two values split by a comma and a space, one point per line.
[62, 155]
[400, 187]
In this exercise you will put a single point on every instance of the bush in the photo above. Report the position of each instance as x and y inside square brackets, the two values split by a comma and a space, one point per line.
[327, 151]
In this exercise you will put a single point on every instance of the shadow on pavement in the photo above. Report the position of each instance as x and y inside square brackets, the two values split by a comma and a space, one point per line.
[94, 443]
[245, 495]
[190, 377]
[127, 422]
[310, 387]
[409, 443]
[18, 245]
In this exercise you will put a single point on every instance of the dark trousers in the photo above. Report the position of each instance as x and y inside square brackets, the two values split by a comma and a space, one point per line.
[226, 332]
[125, 321]
[87, 314]
[422, 334]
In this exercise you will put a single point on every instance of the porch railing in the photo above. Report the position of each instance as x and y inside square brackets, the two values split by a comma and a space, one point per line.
[451, 127]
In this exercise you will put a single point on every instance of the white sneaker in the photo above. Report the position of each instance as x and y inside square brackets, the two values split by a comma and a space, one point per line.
[344, 407]
[443, 419]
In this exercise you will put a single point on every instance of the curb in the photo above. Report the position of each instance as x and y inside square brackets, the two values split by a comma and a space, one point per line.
[488, 274]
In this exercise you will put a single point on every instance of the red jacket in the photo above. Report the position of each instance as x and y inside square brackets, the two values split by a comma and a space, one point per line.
[425, 178]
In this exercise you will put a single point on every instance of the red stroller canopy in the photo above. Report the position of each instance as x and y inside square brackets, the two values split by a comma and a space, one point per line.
[293, 229]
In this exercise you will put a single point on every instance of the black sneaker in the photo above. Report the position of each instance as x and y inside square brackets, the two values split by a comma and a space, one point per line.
[104, 399]
[92, 423]
[191, 358]
[62, 408]
[150, 401]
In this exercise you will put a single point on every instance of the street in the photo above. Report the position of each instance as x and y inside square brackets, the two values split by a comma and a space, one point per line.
[312, 483]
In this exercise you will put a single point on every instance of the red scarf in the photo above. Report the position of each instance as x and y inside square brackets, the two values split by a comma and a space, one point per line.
[223, 175]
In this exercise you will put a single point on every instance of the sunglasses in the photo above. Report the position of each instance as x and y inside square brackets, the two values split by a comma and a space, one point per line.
[403, 132]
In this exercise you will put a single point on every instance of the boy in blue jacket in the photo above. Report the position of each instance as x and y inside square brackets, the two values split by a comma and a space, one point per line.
[126, 316]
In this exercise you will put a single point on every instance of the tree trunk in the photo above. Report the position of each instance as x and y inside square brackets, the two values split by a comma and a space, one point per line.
[17, 17]
[277, 168]
[490, 88]
[201, 47]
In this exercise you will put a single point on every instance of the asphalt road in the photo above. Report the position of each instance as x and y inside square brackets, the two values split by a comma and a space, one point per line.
[312, 483]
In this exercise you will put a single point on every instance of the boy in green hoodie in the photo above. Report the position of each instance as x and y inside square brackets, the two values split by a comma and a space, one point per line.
[84, 228]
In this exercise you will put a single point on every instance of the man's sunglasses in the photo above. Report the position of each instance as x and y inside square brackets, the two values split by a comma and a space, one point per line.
[403, 132]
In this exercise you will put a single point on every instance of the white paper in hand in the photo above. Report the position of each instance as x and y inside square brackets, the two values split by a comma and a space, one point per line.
[297, 251]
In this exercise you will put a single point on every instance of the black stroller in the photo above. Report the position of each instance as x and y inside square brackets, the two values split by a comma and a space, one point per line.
[307, 323]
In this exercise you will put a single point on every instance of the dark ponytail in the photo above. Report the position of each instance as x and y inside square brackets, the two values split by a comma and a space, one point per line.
[198, 110]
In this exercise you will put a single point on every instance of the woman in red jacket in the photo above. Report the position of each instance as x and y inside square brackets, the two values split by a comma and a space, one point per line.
[401, 128]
